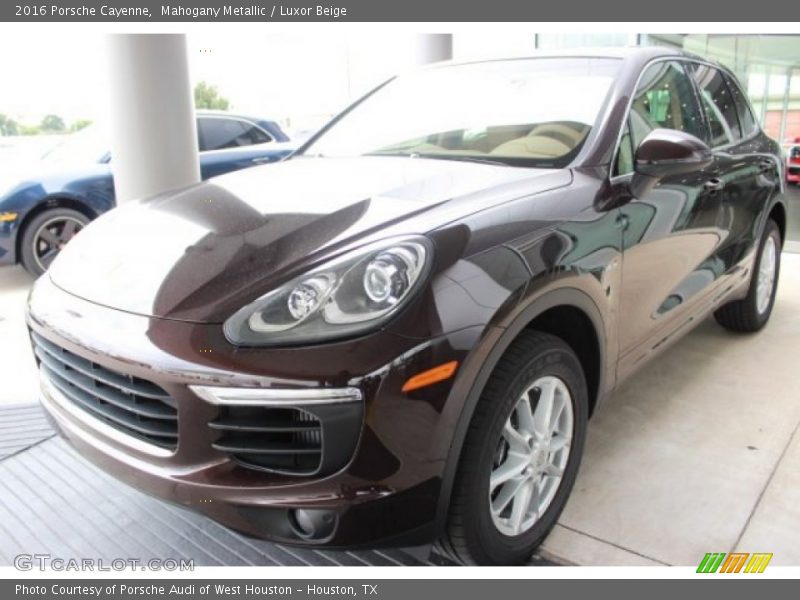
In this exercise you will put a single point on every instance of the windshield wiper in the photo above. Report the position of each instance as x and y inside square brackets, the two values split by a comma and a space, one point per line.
[435, 156]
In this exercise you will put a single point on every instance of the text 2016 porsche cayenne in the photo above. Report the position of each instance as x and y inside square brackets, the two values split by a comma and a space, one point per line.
[399, 334]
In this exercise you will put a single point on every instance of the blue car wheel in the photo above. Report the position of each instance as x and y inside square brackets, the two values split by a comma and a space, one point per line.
[46, 235]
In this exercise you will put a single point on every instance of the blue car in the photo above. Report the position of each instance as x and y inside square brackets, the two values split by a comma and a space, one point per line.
[73, 184]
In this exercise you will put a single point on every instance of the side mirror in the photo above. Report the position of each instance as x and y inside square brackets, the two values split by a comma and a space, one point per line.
[667, 152]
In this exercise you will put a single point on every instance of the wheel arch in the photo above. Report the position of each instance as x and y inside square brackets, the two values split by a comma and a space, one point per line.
[778, 214]
[545, 313]
[44, 205]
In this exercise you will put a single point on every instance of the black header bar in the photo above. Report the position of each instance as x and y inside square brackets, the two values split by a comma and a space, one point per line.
[444, 11]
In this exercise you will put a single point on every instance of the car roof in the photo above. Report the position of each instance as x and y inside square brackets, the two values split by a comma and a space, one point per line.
[639, 53]
[205, 112]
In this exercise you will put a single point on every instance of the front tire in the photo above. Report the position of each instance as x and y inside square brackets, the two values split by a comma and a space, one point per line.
[46, 235]
[521, 454]
[752, 313]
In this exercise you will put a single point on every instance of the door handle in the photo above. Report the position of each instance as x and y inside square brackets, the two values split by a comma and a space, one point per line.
[714, 185]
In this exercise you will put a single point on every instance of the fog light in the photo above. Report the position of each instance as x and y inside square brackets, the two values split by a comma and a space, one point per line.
[312, 524]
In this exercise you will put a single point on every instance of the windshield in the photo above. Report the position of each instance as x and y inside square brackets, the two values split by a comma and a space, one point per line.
[526, 112]
[90, 144]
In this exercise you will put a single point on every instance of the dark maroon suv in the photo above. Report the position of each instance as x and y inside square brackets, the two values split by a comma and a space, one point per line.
[398, 335]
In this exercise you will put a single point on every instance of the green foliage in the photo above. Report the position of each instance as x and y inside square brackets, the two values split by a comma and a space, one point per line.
[52, 124]
[79, 124]
[207, 96]
[8, 126]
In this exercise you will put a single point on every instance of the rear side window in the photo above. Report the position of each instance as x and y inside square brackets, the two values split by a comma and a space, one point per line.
[719, 106]
[747, 121]
[217, 133]
[665, 98]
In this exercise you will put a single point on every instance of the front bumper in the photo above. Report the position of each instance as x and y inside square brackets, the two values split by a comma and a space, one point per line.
[386, 492]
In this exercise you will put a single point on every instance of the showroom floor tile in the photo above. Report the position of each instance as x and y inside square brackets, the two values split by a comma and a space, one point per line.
[680, 458]
[567, 546]
[775, 524]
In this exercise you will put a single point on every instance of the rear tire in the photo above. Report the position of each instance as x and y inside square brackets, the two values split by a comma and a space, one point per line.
[752, 312]
[46, 234]
[537, 371]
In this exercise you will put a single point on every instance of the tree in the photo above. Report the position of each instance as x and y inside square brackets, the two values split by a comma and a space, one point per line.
[52, 124]
[8, 126]
[79, 124]
[207, 96]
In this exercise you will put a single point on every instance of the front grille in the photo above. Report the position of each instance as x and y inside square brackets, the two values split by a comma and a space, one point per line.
[130, 404]
[281, 439]
[794, 170]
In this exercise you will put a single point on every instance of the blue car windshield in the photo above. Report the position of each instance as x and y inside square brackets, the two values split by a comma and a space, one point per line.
[525, 112]
[89, 145]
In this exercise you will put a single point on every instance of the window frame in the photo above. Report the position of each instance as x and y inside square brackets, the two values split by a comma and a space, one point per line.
[627, 116]
[735, 141]
[733, 84]
[727, 74]
[201, 137]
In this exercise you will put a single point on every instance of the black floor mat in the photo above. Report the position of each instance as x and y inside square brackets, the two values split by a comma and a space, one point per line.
[22, 426]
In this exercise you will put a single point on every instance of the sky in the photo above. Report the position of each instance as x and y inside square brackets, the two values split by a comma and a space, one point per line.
[298, 79]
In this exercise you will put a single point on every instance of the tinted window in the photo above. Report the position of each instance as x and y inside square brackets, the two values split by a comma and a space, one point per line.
[665, 98]
[217, 133]
[254, 134]
[746, 119]
[718, 104]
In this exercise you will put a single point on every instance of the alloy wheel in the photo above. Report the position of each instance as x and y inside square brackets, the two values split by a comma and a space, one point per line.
[766, 275]
[531, 456]
[51, 238]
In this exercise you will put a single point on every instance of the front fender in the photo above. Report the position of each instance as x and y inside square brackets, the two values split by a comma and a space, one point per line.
[475, 372]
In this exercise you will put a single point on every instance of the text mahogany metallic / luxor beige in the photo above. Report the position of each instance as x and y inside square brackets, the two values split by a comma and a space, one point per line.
[398, 334]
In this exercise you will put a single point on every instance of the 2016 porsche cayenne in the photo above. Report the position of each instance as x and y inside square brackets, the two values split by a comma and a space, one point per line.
[399, 334]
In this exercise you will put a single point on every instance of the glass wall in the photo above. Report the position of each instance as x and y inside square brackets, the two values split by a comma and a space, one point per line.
[553, 41]
[767, 65]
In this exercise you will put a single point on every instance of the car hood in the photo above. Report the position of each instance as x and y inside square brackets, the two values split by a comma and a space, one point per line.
[200, 253]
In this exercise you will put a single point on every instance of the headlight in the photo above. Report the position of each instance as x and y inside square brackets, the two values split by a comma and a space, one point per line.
[346, 296]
